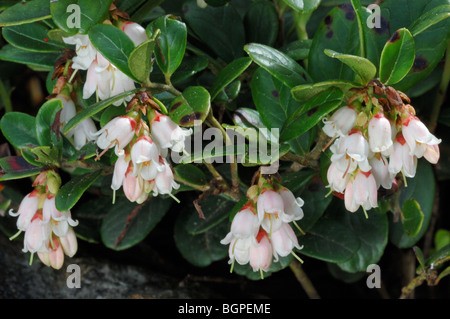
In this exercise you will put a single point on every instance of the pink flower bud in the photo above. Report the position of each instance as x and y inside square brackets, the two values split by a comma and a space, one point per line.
[284, 240]
[69, 243]
[167, 134]
[54, 257]
[116, 133]
[245, 223]
[261, 252]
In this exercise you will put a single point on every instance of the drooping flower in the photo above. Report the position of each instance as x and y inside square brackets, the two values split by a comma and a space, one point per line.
[337, 180]
[350, 152]
[341, 122]
[59, 221]
[284, 240]
[261, 252]
[292, 206]
[83, 133]
[116, 133]
[145, 157]
[167, 134]
[361, 191]
[417, 136]
[164, 180]
[27, 209]
[135, 32]
[379, 133]
[401, 159]
[85, 51]
[380, 170]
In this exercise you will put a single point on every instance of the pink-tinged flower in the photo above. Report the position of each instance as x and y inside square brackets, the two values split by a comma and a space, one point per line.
[69, 243]
[380, 170]
[164, 180]
[120, 168]
[270, 208]
[116, 133]
[27, 209]
[292, 206]
[167, 134]
[337, 180]
[83, 133]
[84, 49]
[379, 132]
[417, 136]
[245, 223]
[361, 191]
[145, 157]
[401, 159]
[59, 221]
[341, 122]
[133, 187]
[37, 235]
[350, 152]
[135, 32]
[284, 241]
[261, 252]
[432, 154]
[54, 257]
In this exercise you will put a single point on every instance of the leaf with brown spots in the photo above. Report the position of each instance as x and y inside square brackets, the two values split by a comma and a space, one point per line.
[194, 104]
[397, 57]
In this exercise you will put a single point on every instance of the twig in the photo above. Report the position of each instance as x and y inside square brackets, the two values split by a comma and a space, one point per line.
[304, 280]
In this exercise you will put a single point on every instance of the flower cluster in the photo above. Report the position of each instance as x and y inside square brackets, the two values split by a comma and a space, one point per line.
[103, 78]
[260, 231]
[373, 145]
[142, 166]
[48, 231]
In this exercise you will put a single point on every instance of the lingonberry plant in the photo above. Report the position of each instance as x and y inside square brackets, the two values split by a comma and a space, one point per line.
[346, 95]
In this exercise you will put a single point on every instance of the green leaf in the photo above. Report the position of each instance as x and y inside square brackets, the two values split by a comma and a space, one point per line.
[25, 12]
[441, 238]
[278, 64]
[439, 257]
[397, 57]
[224, 34]
[294, 181]
[365, 69]
[78, 16]
[420, 188]
[419, 255]
[373, 236]
[94, 109]
[170, 44]
[305, 92]
[19, 129]
[190, 66]
[16, 167]
[193, 104]
[47, 123]
[113, 44]
[190, 174]
[228, 74]
[329, 240]
[36, 60]
[31, 37]
[71, 192]
[429, 19]
[339, 32]
[261, 23]
[311, 113]
[298, 50]
[206, 244]
[272, 99]
[412, 217]
[144, 11]
[127, 223]
[140, 60]
[303, 5]
[44, 155]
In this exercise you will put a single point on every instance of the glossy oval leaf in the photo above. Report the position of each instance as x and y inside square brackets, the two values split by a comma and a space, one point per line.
[78, 16]
[140, 60]
[126, 223]
[365, 69]
[397, 57]
[16, 167]
[19, 129]
[170, 44]
[429, 19]
[71, 192]
[31, 37]
[25, 12]
[311, 113]
[190, 174]
[47, 123]
[305, 92]
[278, 64]
[224, 34]
[261, 23]
[114, 45]
[228, 74]
[412, 217]
[36, 60]
[194, 104]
